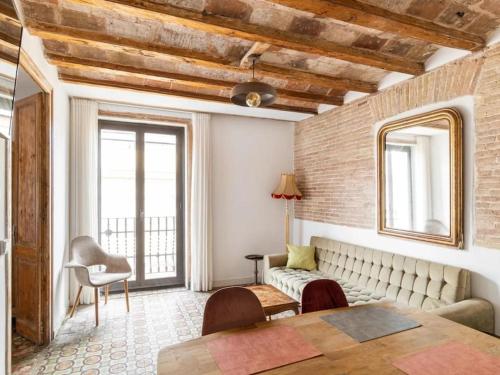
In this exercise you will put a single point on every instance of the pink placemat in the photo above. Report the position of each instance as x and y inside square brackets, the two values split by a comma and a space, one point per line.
[259, 350]
[452, 358]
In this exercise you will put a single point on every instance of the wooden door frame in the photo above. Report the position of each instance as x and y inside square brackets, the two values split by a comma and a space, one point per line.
[27, 64]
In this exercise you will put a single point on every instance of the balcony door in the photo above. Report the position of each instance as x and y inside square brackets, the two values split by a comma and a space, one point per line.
[141, 186]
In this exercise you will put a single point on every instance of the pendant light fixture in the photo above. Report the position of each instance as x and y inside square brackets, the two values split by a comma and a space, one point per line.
[253, 93]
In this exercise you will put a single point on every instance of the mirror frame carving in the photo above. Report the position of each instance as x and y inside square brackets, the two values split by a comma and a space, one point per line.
[456, 237]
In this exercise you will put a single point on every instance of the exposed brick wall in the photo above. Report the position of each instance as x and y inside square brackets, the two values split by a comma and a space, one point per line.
[445, 83]
[334, 163]
[335, 151]
[487, 155]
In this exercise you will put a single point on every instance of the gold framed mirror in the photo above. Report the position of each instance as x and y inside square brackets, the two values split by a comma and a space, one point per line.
[420, 173]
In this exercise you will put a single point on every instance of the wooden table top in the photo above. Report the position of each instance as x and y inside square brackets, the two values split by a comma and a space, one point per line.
[342, 354]
[271, 297]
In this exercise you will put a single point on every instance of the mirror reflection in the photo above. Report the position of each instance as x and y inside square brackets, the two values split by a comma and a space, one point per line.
[10, 41]
[417, 178]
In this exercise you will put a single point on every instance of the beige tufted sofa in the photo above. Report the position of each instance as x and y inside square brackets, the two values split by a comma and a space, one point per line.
[368, 275]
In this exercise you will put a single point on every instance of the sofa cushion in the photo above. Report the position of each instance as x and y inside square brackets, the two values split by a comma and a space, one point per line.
[292, 282]
[301, 257]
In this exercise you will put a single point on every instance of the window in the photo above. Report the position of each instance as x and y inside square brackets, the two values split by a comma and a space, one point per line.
[399, 191]
[141, 199]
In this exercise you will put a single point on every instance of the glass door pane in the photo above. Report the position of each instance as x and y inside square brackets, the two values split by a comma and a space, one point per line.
[118, 194]
[141, 195]
[160, 206]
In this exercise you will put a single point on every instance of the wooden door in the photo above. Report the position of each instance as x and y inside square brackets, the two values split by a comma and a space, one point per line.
[29, 184]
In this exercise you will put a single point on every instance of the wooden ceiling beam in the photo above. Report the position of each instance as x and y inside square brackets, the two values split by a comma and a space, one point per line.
[127, 45]
[120, 44]
[258, 49]
[10, 40]
[367, 15]
[317, 79]
[8, 58]
[87, 64]
[8, 10]
[127, 86]
[236, 28]
[10, 30]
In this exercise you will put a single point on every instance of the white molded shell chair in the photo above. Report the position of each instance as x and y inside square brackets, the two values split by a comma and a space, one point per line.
[87, 253]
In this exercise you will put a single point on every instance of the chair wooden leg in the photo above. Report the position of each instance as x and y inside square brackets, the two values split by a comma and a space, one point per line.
[96, 297]
[106, 293]
[125, 286]
[77, 301]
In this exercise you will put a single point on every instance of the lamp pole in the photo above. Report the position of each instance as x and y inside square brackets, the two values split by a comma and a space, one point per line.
[287, 224]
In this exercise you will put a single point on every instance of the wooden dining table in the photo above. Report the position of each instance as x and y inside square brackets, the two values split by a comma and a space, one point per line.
[341, 353]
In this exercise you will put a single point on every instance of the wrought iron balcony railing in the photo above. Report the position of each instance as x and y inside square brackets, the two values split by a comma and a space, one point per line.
[118, 236]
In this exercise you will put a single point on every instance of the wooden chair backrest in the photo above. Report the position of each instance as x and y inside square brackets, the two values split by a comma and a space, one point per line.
[230, 308]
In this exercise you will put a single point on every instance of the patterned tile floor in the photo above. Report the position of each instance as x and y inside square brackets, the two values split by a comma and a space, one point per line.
[123, 343]
[24, 353]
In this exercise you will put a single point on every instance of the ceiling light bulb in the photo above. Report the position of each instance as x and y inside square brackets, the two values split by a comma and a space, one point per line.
[253, 99]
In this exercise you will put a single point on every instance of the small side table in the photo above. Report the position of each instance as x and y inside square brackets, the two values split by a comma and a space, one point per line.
[256, 258]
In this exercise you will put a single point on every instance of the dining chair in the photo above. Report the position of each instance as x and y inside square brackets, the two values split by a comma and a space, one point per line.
[322, 294]
[87, 253]
[229, 308]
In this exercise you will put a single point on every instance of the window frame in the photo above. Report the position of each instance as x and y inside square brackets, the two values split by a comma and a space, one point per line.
[140, 129]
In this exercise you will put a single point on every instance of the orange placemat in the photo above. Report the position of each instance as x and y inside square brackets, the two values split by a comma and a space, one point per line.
[452, 358]
[257, 350]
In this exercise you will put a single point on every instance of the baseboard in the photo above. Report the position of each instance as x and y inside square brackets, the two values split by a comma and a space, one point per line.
[231, 282]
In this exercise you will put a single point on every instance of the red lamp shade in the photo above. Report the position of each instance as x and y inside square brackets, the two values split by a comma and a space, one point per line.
[287, 188]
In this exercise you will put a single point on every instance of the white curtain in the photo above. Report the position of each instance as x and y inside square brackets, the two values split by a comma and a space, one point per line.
[201, 205]
[83, 205]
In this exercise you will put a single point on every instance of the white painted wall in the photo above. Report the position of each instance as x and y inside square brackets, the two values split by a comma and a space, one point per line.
[248, 157]
[60, 179]
[484, 263]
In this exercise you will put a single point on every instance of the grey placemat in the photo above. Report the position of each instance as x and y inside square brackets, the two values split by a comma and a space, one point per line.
[369, 323]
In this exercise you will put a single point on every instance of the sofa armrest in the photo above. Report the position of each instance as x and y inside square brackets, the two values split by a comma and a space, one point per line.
[476, 313]
[273, 260]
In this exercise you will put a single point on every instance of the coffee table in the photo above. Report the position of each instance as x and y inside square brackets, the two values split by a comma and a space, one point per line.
[273, 300]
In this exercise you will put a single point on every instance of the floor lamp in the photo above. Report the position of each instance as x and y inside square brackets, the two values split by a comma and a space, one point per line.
[287, 190]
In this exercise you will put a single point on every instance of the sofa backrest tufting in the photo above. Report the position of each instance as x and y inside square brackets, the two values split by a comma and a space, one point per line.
[412, 281]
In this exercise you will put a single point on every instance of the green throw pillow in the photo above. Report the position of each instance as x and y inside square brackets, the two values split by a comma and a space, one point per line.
[301, 257]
